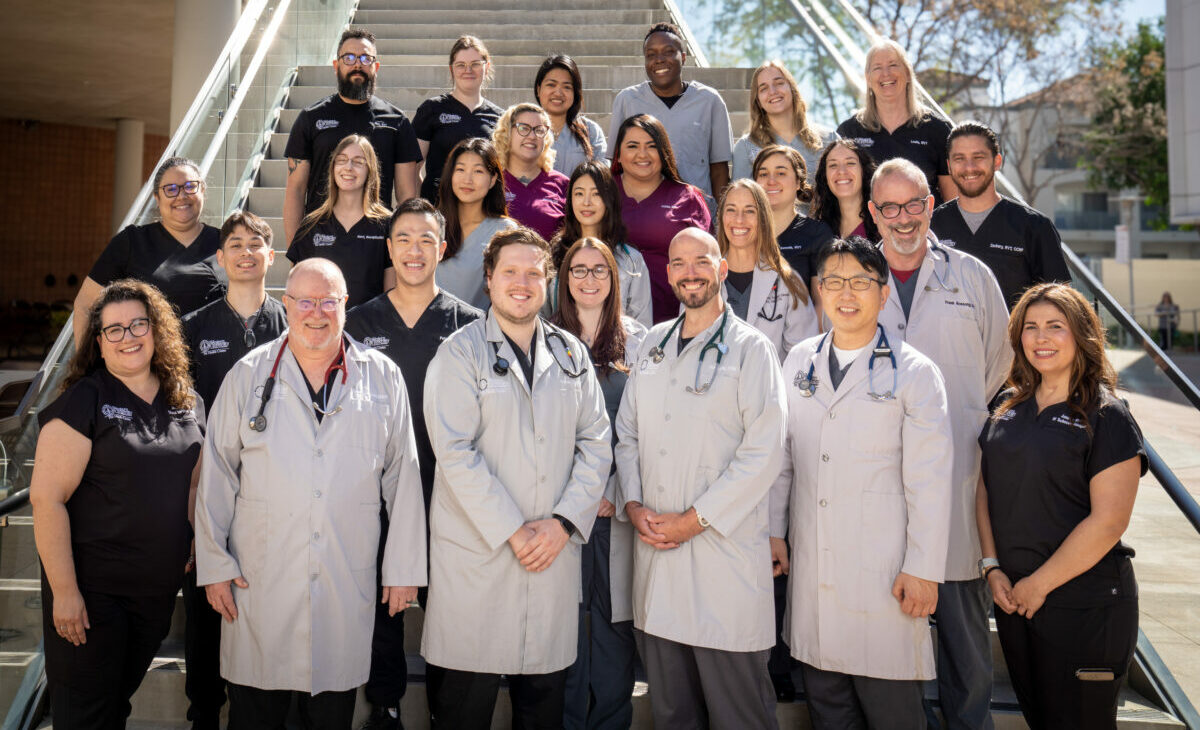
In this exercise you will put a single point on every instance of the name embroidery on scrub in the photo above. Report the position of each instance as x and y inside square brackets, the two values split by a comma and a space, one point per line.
[116, 413]
[957, 303]
[1007, 415]
[369, 237]
[1065, 420]
[323, 239]
[180, 414]
[376, 343]
[323, 124]
[864, 141]
[213, 347]
[918, 141]
[1007, 247]
[509, 196]
[447, 118]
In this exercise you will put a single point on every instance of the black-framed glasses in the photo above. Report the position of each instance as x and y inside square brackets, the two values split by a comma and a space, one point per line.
[116, 332]
[328, 305]
[600, 271]
[350, 59]
[191, 187]
[916, 206]
[857, 283]
[524, 129]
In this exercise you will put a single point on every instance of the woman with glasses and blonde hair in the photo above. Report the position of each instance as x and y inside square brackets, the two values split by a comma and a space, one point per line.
[778, 116]
[535, 192]
[350, 227]
[177, 253]
[115, 469]
[893, 123]
[461, 113]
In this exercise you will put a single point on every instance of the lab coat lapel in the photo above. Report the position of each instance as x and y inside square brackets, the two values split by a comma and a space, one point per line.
[920, 293]
[543, 359]
[855, 375]
[760, 291]
[495, 334]
[295, 388]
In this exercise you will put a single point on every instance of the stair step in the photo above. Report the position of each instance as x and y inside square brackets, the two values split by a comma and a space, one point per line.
[521, 76]
[544, 5]
[483, 22]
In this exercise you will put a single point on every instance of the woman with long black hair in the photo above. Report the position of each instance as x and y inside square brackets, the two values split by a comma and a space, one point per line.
[558, 88]
[842, 190]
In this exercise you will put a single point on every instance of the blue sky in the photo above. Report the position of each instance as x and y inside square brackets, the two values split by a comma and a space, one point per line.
[1137, 10]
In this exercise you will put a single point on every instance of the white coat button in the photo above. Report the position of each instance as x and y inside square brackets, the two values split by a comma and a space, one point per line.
[823, 503]
[673, 381]
[667, 417]
[541, 439]
[662, 452]
[900, 326]
[313, 577]
[317, 493]
[541, 479]
[824, 457]
[831, 415]
[316, 536]
[661, 488]
[320, 453]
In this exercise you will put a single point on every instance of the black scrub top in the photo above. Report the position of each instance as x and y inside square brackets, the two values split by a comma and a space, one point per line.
[923, 145]
[1038, 468]
[1020, 245]
[129, 515]
[799, 243]
[320, 127]
[377, 324]
[216, 339]
[361, 253]
[186, 275]
[443, 122]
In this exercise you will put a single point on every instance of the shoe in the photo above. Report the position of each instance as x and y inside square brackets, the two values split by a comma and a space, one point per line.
[785, 689]
[381, 719]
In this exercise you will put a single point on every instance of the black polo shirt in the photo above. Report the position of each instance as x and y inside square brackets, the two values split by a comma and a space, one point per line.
[378, 325]
[1020, 245]
[129, 514]
[216, 337]
[186, 275]
[320, 127]
[923, 145]
[361, 253]
[799, 243]
[1038, 469]
[443, 122]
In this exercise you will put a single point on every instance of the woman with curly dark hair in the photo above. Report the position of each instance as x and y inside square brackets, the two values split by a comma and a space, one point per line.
[114, 476]
[1061, 461]
[841, 190]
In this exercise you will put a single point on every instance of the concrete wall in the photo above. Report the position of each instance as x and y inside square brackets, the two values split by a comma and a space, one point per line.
[1183, 109]
[1151, 277]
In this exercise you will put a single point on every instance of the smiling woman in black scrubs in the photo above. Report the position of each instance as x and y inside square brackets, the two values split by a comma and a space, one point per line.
[1061, 461]
[177, 253]
[115, 469]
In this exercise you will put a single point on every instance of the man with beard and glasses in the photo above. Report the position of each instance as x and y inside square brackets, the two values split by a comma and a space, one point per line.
[948, 305]
[354, 109]
[1020, 245]
[699, 442]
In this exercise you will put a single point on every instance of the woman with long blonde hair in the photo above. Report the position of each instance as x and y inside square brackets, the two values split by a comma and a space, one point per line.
[535, 192]
[778, 116]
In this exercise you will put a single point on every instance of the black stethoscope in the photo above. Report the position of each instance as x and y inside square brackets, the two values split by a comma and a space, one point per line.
[773, 298]
[259, 421]
[573, 369]
[808, 383]
[716, 342]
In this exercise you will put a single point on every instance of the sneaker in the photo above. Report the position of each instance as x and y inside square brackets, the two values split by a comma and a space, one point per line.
[381, 719]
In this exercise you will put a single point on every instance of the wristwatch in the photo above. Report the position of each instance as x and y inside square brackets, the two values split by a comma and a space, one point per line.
[570, 528]
[987, 565]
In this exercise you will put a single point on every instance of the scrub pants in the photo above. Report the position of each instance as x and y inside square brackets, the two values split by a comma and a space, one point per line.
[388, 679]
[693, 687]
[91, 684]
[839, 701]
[964, 655]
[203, 684]
[460, 700]
[1045, 653]
[599, 693]
[251, 708]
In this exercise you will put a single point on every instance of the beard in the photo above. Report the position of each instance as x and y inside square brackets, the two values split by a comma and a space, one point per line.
[978, 188]
[696, 299]
[354, 88]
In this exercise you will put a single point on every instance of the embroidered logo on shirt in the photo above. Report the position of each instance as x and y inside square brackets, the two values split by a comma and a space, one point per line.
[376, 343]
[115, 413]
[1007, 415]
[368, 237]
[323, 239]
[446, 118]
[180, 414]
[947, 242]
[322, 124]
[1007, 247]
[666, 207]
[1066, 420]
[864, 141]
[957, 303]
[918, 141]
[509, 196]
[213, 347]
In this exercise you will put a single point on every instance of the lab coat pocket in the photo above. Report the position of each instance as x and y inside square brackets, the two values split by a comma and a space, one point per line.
[362, 545]
[884, 530]
[248, 536]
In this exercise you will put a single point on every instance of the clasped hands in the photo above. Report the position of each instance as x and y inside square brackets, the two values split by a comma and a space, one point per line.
[536, 544]
[666, 530]
[1025, 598]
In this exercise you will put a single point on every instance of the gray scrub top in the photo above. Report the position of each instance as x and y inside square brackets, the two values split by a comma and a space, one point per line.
[568, 151]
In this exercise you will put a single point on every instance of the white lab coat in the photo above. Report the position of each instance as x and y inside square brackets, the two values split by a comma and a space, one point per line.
[864, 495]
[719, 452]
[295, 510]
[505, 458]
[965, 333]
[770, 311]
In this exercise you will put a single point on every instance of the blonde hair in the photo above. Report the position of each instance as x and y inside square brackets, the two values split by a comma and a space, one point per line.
[371, 206]
[760, 131]
[868, 116]
[768, 247]
[502, 135]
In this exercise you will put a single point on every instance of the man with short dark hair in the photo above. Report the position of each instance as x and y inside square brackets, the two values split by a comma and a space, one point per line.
[354, 109]
[1020, 245]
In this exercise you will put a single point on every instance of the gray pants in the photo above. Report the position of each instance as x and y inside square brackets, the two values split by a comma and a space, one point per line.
[964, 655]
[849, 702]
[692, 688]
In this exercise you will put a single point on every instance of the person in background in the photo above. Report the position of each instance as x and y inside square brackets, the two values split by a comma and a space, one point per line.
[781, 172]
[1062, 457]
[1167, 312]
[600, 682]
[655, 202]
[114, 474]
[778, 116]
[461, 113]
[594, 211]
[893, 123]
[536, 193]
[472, 202]
[841, 195]
[177, 253]
[558, 88]
[694, 115]
[350, 227]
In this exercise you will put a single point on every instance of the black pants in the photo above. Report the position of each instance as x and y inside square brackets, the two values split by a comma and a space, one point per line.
[1049, 656]
[202, 652]
[461, 700]
[251, 708]
[779, 661]
[388, 679]
[839, 701]
[91, 684]
[1166, 336]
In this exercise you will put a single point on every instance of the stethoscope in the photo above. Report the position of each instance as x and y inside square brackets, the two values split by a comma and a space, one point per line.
[773, 298]
[716, 342]
[808, 383]
[941, 281]
[573, 369]
[259, 421]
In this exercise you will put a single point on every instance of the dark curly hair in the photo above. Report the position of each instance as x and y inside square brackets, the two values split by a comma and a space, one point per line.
[170, 360]
[825, 206]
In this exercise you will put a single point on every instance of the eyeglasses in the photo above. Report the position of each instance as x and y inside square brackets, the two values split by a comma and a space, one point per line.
[350, 59]
[600, 271]
[328, 305]
[916, 206]
[462, 67]
[524, 129]
[191, 187]
[857, 283]
[359, 163]
[116, 332]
